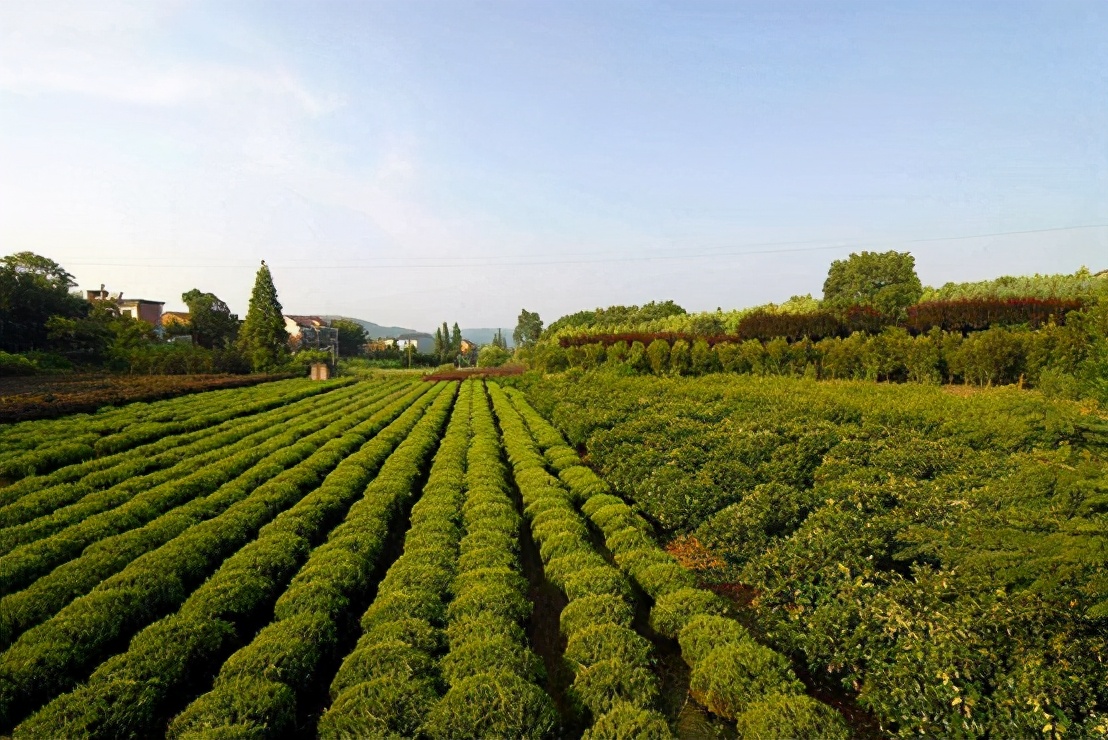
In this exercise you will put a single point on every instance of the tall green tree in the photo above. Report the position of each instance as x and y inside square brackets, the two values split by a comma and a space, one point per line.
[886, 281]
[455, 339]
[213, 324]
[528, 329]
[32, 290]
[352, 337]
[498, 340]
[262, 338]
[440, 344]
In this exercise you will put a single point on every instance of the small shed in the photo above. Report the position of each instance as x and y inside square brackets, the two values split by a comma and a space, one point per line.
[321, 371]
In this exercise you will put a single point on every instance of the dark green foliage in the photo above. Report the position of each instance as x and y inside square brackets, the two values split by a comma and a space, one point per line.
[528, 329]
[211, 322]
[502, 650]
[262, 337]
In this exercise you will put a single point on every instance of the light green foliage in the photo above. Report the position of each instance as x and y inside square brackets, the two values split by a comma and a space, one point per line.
[493, 705]
[625, 721]
[792, 716]
[887, 281]
[704, 633]
[732, 675]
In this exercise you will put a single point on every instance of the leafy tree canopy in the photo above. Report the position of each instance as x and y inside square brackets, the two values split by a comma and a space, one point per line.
[352, 337]
[887, 281]
[213, 324]
[528, 328]
[32, 289]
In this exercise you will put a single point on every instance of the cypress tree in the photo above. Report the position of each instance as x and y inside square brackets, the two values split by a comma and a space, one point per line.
[262, 338]
[456, 339]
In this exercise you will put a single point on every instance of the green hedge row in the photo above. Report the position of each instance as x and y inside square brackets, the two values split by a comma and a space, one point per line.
[25, 436]
[389, 682]
[732, 675]
[156, 455]
[64, 534]
[24, 609]
[493, 675]
[53, 656]
[202, 413]
[130, 473]
[610, 662]
[256, 691]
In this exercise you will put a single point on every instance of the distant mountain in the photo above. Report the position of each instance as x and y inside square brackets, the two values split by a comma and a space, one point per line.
[484, 336]
[375, 331]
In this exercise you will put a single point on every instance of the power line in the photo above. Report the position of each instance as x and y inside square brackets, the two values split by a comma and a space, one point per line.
[446, 262]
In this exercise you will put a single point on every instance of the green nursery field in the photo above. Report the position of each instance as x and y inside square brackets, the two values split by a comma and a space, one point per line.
[397, 558]
[939, 556]
[382, 558]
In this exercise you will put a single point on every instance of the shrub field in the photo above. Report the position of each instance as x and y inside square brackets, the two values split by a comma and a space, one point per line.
[938, 557]
[348, 560]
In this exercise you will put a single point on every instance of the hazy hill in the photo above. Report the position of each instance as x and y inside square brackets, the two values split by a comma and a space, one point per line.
[375, 331]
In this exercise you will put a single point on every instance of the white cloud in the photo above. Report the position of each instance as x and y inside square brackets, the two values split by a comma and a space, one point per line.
[104, 51]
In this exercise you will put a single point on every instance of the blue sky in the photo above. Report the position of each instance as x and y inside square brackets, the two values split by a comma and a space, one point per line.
[409, 162]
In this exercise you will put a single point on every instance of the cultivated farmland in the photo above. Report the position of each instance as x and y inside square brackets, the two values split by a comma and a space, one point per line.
[381, 558]
[400, 558]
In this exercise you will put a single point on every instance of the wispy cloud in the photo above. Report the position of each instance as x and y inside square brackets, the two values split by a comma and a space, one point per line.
[103, 51]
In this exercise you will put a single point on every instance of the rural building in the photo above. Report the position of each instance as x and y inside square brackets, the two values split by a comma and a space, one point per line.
[467, 346]
[137, 308]
[380, 345]
[419, 342]
[295, 325]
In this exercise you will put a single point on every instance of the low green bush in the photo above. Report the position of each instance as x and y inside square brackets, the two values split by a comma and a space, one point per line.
[496, 540]
[487, 557]
[605, 642]
[731, 676]
[478, 626]
[397, 605]
[391, 658]
[598, 580]
[793, 716]
[663, 578]
[502, 576]
[706, 632]
[586, 611]
[673, 611]
[418, 633]
[628, 538]
[496, 598]
[384, 707]
[560, 568]
[602, 685]
[493, 652]
[625, 721]
[241, 712]
[562, 544]
[500, 705]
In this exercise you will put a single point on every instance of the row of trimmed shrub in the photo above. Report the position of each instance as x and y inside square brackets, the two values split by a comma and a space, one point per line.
[387, 685]
[202, 414]
[140, 469]
[56, 654]
[72, 457]
[733, 676]
[109, 470]
[26, 435]
[46, 542]
[22, 610]
[257, 691]
[613, 682]
[494, 677]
